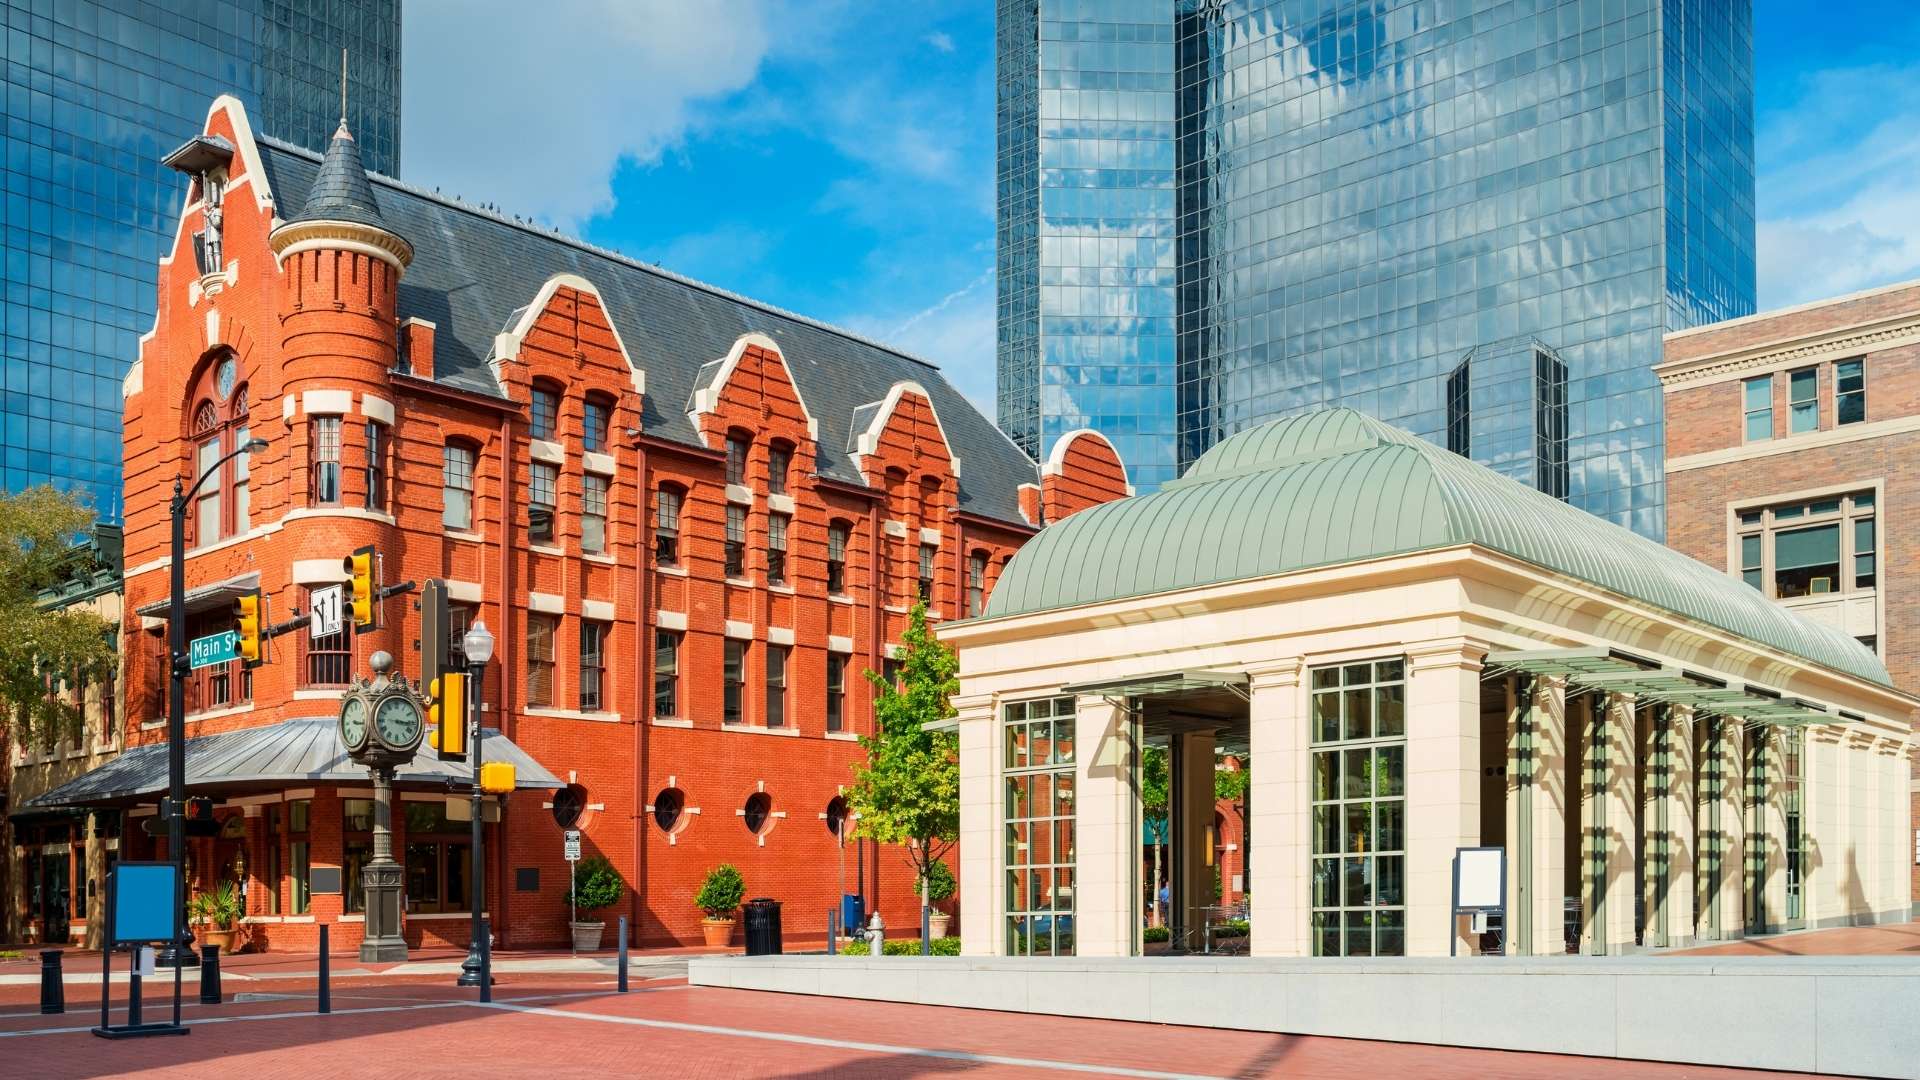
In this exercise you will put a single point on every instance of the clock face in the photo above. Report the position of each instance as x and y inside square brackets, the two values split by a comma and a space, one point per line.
[399, 722]
[223, 379]
[353, 723]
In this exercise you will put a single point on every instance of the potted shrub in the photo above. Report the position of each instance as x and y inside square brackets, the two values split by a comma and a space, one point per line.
[596, 887]
[939, 887]
[719, 898]
[217, 911]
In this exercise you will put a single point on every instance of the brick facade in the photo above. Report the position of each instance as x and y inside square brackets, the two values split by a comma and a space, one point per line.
[1715, 470]
[326, 326]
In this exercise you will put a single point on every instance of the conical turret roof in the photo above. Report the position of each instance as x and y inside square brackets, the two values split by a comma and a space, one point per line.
[340, 190]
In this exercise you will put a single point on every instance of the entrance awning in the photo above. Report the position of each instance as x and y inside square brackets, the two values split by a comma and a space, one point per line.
[206, 597]
[291, 753]
[1601, 668]
[1162, 684]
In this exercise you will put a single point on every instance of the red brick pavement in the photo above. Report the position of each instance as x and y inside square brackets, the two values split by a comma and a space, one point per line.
[1895, 939]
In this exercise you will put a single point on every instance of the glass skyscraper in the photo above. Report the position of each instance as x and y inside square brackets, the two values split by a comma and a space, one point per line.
[1458, 217]
[97, 93]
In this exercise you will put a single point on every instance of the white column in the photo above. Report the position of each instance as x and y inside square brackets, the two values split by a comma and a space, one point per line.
[1668, 811]
[1443, 784]
[1607, 790]
[1773, 818]
[1720, 903]
[1537, 817]
[1277, 860]
[1106, 829]
[981, 856]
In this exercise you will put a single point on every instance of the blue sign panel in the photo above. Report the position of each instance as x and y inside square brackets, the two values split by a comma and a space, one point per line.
[143, 899]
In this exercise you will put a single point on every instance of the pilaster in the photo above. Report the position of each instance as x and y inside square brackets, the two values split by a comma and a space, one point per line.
[1277, 835]
[1667, 810]
[1536, 816]
[1443, 783]
[1611, 838]
[1107, 830]
[981, 881]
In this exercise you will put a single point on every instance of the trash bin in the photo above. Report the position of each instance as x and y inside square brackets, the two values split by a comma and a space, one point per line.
[763, 926]
[853, 914]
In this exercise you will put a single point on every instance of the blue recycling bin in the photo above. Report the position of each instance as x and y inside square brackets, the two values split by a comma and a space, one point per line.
[853, 915]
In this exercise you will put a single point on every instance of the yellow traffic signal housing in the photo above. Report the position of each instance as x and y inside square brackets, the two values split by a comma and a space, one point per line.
[496, 777]
[359, 567]
[447, 712]
[246, 617]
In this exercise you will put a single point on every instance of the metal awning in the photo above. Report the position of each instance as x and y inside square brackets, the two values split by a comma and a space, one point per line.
[206, 597]
[290, 753]
[1610, 670]
[1164, 683]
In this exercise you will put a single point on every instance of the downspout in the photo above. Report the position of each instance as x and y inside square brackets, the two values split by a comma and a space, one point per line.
[503, 655]
[642, 684]
[876, 650]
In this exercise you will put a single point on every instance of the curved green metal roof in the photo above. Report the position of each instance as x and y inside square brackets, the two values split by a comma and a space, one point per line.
[1337, 487]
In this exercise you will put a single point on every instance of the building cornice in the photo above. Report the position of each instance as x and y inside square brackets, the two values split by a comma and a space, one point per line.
[1796, 351]
[297, 236]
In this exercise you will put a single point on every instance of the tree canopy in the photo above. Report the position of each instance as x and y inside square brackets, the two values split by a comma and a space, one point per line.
[44, 650]
[907, 792]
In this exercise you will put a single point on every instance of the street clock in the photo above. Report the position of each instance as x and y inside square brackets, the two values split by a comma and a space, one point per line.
[382, 720]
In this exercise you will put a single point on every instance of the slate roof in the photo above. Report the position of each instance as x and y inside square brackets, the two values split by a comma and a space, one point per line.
[1336, 486]
[340, 191]
[300, 751]
[472, 269]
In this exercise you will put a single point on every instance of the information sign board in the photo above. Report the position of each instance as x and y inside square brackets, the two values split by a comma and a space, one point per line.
[143, 898]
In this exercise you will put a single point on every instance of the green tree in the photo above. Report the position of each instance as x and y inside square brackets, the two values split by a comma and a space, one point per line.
[907, 792]
[42, 647]
[1156, 788]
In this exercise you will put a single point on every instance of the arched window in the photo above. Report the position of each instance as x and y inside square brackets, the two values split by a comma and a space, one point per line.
[839, 532]
[666, 524]
[596, 423]
[456, 485]
[779, 464]
[930, 502]
[976, 583]
[217, 426]
[739, 445]
[543, 418]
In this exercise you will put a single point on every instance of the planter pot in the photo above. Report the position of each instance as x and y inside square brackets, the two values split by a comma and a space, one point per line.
[586, 935]
[222, 938]
[938, 921]
[718, 932]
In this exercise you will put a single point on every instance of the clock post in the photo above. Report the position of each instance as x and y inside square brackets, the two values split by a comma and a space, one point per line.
[381, 723]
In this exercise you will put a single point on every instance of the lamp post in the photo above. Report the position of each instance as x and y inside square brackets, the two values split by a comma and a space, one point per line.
[178, 665]
[477, 644]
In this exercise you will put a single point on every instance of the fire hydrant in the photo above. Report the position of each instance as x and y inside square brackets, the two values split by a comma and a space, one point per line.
[876, 936]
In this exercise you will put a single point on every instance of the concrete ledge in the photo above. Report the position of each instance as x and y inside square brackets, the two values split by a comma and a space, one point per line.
[1827, 1014]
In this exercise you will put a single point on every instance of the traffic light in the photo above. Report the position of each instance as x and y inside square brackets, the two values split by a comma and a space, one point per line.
[246, 617]
[359, 567]
[497, 777]
[447, 712]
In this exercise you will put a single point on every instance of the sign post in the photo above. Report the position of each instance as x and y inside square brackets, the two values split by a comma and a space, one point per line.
[573, 905]
[1479, 890]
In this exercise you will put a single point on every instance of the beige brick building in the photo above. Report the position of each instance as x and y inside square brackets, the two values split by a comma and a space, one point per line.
[1793, 439]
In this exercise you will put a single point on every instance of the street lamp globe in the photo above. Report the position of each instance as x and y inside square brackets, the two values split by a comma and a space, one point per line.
[255, 446]
[478, 643]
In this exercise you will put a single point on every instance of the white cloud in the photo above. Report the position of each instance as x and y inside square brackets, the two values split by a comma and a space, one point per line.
[940, 40]
[534, 108]
[956, 332]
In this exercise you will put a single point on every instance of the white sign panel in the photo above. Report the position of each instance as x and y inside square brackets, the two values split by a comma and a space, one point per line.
[329, 607]
[573, 845]
[1479, 878]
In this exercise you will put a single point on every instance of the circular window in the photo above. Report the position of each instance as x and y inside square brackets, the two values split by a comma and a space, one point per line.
[568, 804]
[223, 377]
[837, 816]
[667, 807]
[759, 810]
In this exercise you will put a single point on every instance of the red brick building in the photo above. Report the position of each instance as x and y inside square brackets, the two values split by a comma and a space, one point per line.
[1793, 462]
[691, 521]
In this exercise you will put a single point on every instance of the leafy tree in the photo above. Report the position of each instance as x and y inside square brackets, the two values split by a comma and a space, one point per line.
[40, 647]
[721, 893]
[907, 792]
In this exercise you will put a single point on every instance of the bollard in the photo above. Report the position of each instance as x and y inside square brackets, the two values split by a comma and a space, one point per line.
[623, 954]
[210, 975]
[53, 992]
[926, 930]
[326, 991]
[486, 961]
[876, 936]
[833, 930]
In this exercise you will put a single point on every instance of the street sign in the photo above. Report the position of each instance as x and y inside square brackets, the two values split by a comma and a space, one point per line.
[329, 607]
[573, 845]
[214, 649]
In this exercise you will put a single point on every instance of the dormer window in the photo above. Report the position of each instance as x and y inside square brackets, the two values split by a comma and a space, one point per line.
[596, 424]
[545, 414]
[779, 461]
[738, 446]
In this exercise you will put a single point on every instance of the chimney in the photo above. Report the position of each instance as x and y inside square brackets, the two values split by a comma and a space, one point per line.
[416, 347]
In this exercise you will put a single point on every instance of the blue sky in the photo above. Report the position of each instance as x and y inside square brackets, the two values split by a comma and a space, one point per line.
[835, 157]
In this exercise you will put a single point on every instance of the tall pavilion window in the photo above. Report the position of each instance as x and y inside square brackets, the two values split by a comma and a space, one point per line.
[1810, 547]
[777, 548]
[779, 461]
[541, 630]
[1850, 392]
[736, 551]
[836, 691]
[544, 417]
[596, 423]
[299, 861]
[1358, 860]
[323, 449]
[593, 514]
[976, 584]
[924, 585]
[737, 447]
[777, 656]
[329, 659]
[542, 496]
[1803, 400]
[666, 673]
[1793, 798]
[593, 664]
[838, 533]
[456, 486]
[376, 465]
[438, 859]
[1758, 395]
[1038, 775]
[733, 679]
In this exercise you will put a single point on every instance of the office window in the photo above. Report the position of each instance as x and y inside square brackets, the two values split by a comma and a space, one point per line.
[1751, 570]
[596, 423]
[1850, 392]
[1865, 548]
[323, 451]
[376, 475]
[456, 486]
[976, 584]
[1358, 859]
[541, 630]
[1038, 776]
[666, 527]
[836, 691]
[777, 656]
[593, 667]
[329, 659]
[1798, 549]
[1806, 560]
[924, 586]
[1759, 407]
[545, 414]
[737, 447]
[542, 496]
[777, 549]
[779, 461]
[736, 556]
[1803, 400]
[838, 533]
[666, 673]
[733, 678]
[593, 513]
